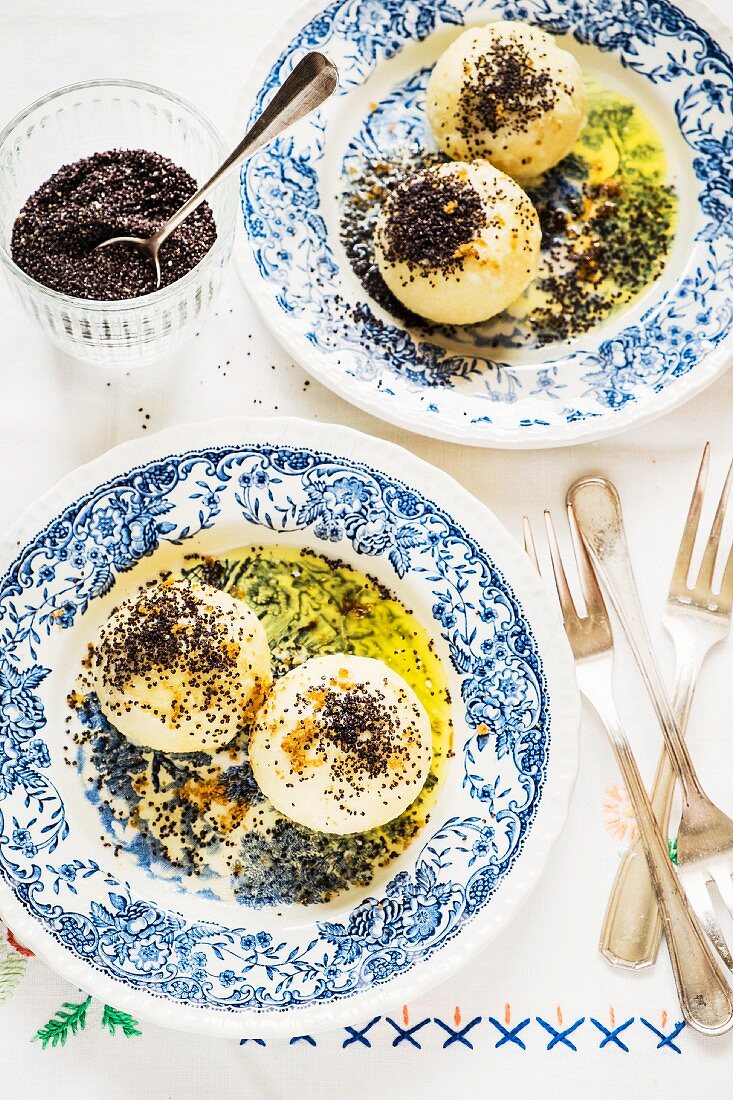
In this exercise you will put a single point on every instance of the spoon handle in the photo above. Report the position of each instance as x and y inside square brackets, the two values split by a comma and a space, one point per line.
[309, 85]
[597, 509]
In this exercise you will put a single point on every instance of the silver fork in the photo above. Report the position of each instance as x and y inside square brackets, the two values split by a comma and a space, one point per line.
[705, 997]
[697, 618]
[705, 833]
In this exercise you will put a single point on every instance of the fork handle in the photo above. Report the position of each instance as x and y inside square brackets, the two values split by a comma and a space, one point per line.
[705, 996]
[632, 927]
[597, 508]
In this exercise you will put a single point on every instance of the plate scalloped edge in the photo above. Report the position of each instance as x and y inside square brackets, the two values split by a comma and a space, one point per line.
[575, 430]
[565, 720]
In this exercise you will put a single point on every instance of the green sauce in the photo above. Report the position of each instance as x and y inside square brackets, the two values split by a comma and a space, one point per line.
[202, 815]
[608, 220]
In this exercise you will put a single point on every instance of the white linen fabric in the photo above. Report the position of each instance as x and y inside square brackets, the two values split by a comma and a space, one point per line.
[538, 1010]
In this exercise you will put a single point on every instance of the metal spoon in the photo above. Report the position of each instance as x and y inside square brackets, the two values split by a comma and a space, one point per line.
[309, 85]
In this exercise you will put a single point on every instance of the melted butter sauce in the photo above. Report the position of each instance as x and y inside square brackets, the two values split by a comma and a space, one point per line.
[202, 815]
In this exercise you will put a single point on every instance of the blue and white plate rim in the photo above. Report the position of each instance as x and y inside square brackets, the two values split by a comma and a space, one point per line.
[557, 661]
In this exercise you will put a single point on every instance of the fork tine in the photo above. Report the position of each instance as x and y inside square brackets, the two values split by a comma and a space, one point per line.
[724, 883]
[689, 535]
[725, 596]
[529, 546]
[567, 604]
[707, 567]
[594, 601]
[699, 897]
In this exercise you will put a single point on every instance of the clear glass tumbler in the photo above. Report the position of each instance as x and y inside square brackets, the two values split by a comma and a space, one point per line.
[91, 117]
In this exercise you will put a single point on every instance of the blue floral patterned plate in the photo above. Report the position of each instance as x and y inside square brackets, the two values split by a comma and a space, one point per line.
[667, 344]
[167, 950]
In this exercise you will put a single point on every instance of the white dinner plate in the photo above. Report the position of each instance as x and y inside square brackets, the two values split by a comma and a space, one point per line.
[668, 343]
[163, 947]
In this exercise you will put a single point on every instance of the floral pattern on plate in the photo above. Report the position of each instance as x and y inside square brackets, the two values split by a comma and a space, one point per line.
[641, 362]
[78, 558]
[58, 883]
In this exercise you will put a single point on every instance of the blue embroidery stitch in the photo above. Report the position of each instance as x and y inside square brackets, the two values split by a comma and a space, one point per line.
[509, 1034]
[456, 1034]
[359, 1035]
[560, 1035]
[666, 1040]
[611, 1035]
[407, 1034]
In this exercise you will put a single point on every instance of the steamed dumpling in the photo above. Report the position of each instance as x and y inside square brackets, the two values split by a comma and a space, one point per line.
[508, 93]
[341, 745]
[457, 243]
[181, 667]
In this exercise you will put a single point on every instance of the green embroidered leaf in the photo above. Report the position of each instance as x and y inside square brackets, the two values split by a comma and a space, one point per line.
[70, 1017]
[673, 850]
[12, 969]
[113, 1018]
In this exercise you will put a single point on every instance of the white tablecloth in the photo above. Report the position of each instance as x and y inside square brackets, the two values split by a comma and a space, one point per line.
[544, 976]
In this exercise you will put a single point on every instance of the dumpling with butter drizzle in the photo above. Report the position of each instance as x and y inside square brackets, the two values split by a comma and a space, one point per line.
[507, 93]
[457, 243]
[181, 667]
[341, 745]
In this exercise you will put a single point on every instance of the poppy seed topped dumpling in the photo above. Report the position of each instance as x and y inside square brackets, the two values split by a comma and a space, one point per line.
[457, 243]
[181, 667]
[508, 93]
[341, 745]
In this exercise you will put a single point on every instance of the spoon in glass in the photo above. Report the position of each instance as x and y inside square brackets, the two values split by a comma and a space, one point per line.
[309, 85]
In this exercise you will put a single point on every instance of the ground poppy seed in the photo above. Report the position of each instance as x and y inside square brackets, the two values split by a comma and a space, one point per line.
[505, 86]
[118, 192]
[430, 218]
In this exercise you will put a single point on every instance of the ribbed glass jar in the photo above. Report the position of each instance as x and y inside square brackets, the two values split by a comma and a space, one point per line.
[87, 118]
